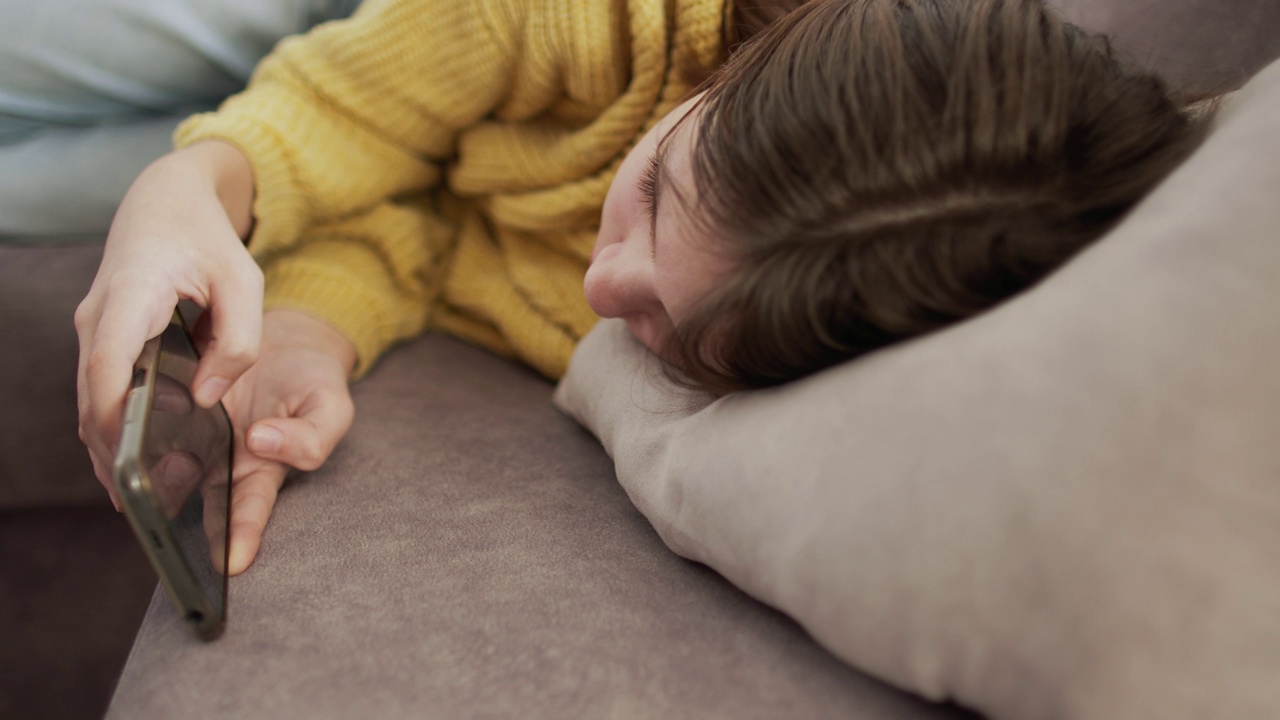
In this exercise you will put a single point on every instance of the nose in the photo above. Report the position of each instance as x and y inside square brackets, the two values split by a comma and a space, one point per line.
[620, 280]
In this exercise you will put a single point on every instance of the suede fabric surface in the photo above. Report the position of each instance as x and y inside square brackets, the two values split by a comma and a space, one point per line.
[42, 463]
[1066, 508]
[74, 586]
[468, 553]
[1199, 47]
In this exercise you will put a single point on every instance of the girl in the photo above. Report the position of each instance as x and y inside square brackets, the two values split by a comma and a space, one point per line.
[861, 172]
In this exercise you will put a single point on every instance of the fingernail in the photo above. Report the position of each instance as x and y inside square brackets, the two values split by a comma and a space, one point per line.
[265, 440]
[238, 560]
[211, 390]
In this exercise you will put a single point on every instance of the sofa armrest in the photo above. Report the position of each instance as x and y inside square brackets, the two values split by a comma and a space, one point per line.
[42, 462]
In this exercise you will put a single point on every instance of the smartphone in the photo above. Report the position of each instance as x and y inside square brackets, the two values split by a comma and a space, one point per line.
[173, 477]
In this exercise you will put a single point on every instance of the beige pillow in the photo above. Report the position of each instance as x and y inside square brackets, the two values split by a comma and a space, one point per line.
[1066, 508]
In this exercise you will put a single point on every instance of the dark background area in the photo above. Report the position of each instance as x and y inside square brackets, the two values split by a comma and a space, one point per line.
[74, 586]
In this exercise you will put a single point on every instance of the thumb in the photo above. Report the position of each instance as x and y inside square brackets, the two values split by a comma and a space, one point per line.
[305, 441]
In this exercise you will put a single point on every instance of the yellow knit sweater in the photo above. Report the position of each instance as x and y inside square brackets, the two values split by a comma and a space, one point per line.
[442, 164]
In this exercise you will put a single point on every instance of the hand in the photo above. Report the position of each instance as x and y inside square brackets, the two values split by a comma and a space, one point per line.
[289, 411]
[176, 235]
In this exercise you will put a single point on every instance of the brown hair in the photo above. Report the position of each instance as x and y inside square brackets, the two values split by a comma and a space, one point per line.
[751, 16]
[878, 169]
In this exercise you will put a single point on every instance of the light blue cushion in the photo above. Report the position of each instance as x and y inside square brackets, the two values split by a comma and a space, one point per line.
[90, 91]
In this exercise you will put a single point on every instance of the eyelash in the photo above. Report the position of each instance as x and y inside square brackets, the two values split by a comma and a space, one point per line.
[649, 187]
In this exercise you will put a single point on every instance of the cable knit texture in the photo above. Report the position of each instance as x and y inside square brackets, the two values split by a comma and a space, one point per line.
[443, 164]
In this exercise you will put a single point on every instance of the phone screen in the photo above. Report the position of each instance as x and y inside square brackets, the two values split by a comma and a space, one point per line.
[187, 455]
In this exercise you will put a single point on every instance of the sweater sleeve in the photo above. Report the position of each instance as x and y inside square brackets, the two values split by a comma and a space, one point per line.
[339, 126]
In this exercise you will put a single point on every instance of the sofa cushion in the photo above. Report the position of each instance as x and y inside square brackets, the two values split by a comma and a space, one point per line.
[42, 462]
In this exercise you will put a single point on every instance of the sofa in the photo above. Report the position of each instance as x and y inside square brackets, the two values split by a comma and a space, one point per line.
[469, 549]
[73, 584]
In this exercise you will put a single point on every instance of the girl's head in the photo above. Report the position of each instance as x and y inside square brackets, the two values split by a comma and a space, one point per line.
[865, 171]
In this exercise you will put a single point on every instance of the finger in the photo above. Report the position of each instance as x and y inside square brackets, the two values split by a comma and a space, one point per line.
[306, 440]
[174, 478]
[214, 492]
[122, 330]
[252, 498]
[235, 334]
[86, 320]
[202, 332]
[100, 455]
[104, 477]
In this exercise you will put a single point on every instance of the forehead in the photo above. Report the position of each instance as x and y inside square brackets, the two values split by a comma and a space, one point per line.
[679, 121]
